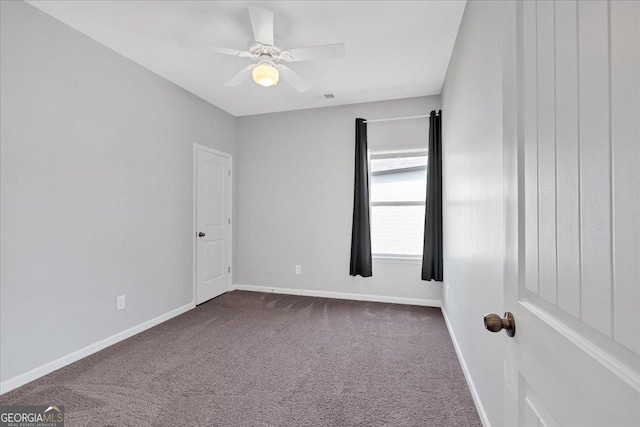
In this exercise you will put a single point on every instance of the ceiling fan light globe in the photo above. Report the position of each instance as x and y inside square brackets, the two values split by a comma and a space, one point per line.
[266, 75]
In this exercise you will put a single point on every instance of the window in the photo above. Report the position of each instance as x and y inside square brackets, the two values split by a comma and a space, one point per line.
[398, 193]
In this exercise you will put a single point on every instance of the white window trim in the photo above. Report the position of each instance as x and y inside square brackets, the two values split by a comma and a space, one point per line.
[407, 203]
[394, 154]
[396, 259]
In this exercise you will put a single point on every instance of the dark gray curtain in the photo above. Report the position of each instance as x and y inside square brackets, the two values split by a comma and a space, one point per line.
[432, 251]
[361, 230]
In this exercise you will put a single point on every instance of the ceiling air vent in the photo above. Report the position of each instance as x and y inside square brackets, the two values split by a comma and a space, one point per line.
[329, 96]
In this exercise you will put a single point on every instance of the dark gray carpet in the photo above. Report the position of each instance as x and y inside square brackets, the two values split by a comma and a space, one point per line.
[253, 359]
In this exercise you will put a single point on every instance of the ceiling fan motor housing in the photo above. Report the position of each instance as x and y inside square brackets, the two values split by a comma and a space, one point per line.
[259, 50]
[266, 60]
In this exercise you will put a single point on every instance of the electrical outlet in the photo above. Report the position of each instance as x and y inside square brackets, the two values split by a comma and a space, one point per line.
[298, 269]
[120, 303]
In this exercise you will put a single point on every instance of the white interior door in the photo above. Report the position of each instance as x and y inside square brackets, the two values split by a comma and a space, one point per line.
[213, 223]
[572, 275]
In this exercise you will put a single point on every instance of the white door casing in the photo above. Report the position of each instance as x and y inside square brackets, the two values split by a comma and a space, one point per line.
[572, 209]
[212, 231]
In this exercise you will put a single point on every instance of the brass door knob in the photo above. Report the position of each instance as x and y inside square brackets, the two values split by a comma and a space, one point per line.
[495, 323]
[201, 234]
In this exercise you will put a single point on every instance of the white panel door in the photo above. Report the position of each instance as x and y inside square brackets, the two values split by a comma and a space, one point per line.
[213, 224]
[572, 209]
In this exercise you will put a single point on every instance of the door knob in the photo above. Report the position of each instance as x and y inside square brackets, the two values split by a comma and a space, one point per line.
[201, 234]
[495, 323]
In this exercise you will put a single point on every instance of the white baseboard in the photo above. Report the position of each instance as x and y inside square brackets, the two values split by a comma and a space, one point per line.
[17, 381]
[467, 374]
[339, 295]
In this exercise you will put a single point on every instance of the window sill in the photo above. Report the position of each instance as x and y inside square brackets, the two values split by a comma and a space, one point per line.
[397, 259]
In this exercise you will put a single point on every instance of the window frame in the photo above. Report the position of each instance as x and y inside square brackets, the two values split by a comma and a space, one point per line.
[394, 154]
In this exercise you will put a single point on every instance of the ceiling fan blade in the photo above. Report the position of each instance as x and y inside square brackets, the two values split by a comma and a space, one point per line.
[240, 77]
[214, 49]
[293, 79]
[262, 24]
[327, 51]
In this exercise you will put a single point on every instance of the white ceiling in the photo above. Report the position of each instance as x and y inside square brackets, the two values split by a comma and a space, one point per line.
[394, 49]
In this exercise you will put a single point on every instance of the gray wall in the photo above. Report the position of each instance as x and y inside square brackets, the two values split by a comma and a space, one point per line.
[473, 197]
[96, 189]
[295, 197]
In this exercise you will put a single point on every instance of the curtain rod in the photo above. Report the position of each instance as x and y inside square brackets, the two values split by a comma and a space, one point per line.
[397, 118]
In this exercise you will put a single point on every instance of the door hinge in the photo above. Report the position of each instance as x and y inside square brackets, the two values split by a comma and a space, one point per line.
[229, 172]
[229, 221]
[229, 269]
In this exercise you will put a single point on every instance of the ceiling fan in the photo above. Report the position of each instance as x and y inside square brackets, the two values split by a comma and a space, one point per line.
[267, 53]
